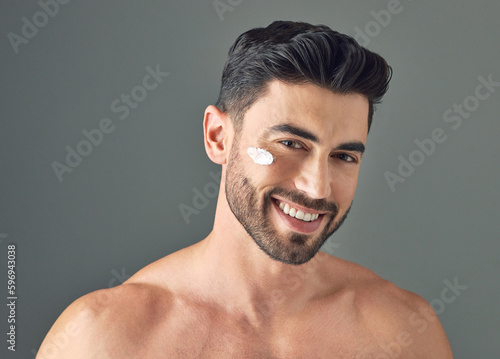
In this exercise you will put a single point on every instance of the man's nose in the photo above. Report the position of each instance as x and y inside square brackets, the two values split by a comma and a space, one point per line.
[314, 178]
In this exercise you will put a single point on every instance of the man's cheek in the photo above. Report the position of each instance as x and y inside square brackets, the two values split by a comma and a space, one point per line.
[343, 191]
[285, 168]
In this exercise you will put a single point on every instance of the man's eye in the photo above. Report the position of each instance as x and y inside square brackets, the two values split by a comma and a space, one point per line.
[345, 157]
[291, 144]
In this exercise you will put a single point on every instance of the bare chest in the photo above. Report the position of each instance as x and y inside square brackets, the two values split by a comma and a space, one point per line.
[205, 336]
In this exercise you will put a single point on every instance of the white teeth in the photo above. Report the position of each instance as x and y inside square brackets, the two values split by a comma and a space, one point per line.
[292, 212]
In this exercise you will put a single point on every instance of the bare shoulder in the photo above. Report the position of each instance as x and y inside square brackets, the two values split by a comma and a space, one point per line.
[115, 322]
[105, 321]
[401, 322]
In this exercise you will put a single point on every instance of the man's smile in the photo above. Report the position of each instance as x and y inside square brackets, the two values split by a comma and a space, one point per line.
[298, 218]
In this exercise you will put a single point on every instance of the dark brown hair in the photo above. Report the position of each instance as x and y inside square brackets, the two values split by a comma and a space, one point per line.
[299, 53]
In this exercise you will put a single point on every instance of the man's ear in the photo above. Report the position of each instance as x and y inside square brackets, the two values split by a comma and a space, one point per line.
[217, 128]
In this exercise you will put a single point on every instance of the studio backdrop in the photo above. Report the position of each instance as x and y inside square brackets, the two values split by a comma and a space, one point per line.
[103, 168]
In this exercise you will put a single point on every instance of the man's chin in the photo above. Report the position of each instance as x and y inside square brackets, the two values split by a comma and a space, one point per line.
[290, 248]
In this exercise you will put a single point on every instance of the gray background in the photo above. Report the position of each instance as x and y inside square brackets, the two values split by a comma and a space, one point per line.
[118, 210]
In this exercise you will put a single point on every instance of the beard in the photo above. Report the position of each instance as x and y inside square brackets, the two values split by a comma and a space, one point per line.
[291, 248]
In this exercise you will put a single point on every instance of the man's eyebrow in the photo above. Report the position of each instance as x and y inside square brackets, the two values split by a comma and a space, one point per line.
[354, 146]
[297, 131]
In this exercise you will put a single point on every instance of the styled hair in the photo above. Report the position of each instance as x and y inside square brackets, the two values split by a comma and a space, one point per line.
[299, 53]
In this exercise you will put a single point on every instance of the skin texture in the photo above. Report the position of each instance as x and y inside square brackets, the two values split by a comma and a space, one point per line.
[225, 297]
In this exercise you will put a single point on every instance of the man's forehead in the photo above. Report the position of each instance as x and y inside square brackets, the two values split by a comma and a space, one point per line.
[309, 107]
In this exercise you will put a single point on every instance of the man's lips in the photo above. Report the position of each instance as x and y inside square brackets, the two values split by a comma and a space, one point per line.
[297, 206]
[311, 219]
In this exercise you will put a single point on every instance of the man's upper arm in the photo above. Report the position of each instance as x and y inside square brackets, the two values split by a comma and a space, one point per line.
[406, 326]
[424, 335]
[70, 336]
[431, 337]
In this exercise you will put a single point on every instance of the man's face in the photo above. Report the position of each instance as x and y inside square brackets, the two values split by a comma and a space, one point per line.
[317, 138]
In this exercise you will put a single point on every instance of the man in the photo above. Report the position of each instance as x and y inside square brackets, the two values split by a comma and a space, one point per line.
[257, 286]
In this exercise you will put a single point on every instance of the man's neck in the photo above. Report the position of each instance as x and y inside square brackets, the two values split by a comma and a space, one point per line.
[237, 272]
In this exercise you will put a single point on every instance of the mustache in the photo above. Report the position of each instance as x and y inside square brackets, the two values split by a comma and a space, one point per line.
[320, 205]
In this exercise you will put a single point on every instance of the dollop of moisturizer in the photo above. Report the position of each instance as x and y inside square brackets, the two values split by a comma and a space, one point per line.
[260, 156]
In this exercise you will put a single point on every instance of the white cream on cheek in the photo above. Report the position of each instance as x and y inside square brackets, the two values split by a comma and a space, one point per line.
[260, 156]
